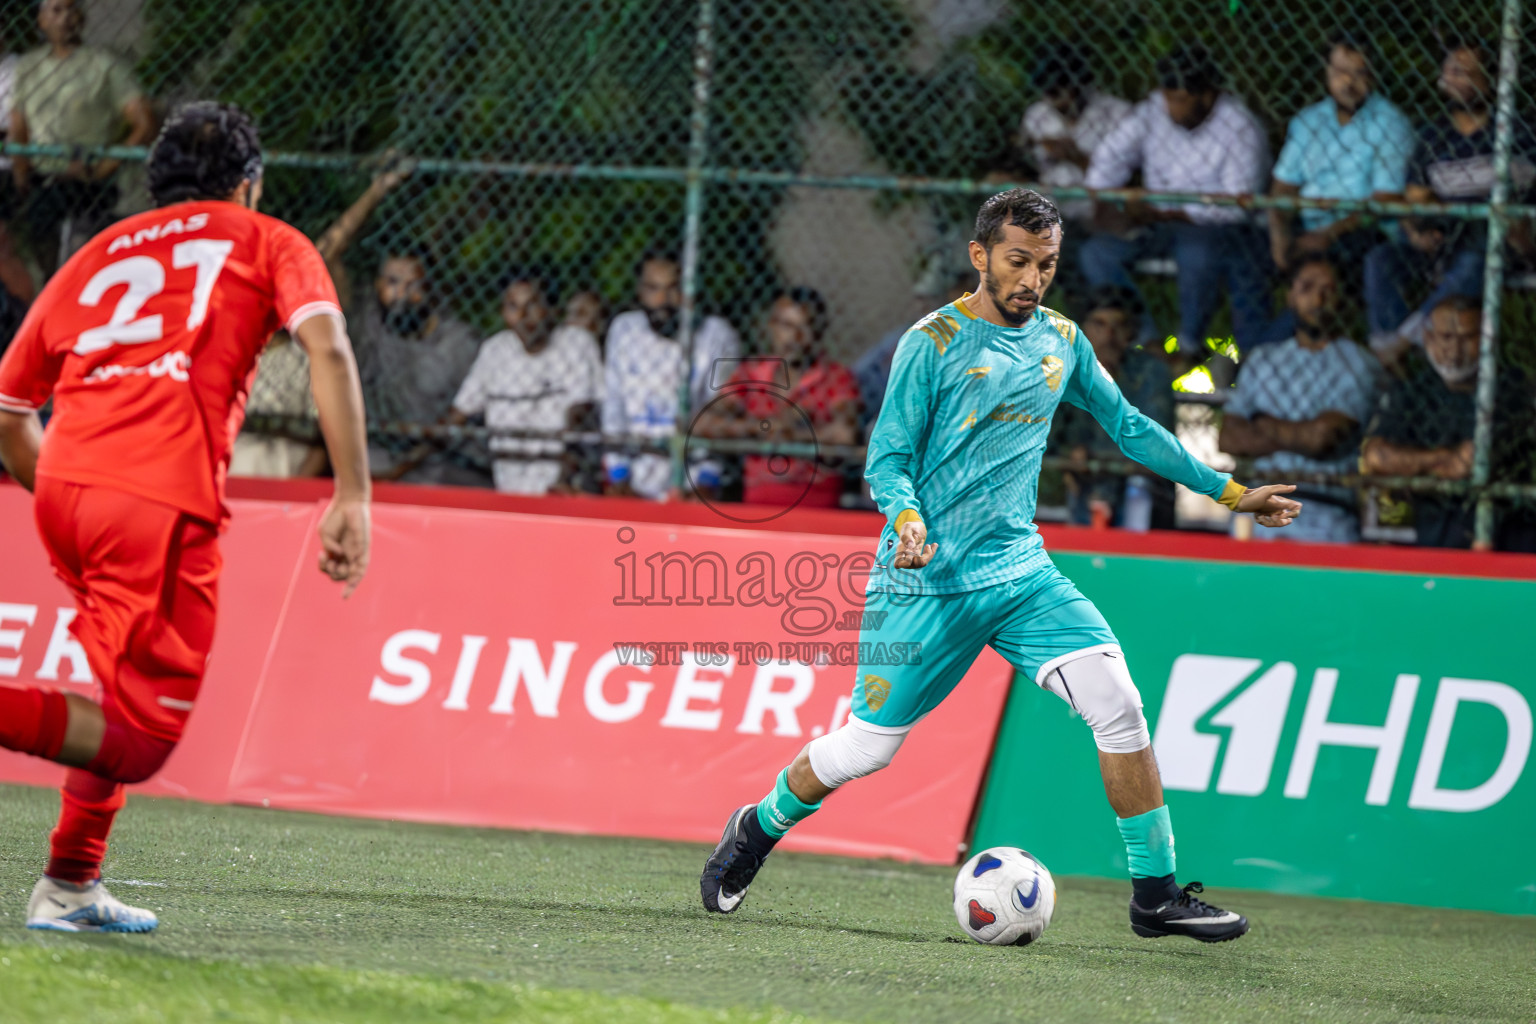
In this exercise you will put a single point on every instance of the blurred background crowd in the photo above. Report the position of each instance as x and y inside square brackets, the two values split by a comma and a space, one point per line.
[668, 249]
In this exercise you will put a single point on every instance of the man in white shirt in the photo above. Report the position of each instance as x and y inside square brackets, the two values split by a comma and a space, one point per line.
[1065, 126]
[643, 372]
[533, 376]
[1188, 136]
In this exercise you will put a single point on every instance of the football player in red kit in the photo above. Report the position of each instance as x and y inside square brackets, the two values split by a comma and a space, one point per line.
[147, 340]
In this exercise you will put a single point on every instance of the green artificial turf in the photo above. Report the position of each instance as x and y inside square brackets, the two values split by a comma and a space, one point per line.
[276, 916]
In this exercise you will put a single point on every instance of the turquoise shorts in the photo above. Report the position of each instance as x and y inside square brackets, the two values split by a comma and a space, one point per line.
[1032, 621]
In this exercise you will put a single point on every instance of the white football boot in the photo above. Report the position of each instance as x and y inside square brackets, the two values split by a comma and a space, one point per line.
[65, 907]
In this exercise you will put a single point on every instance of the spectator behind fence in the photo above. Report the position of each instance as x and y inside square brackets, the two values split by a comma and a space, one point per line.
[1065, 126]
[1111, 324]
[272, 442]
[795, 394]
[78, 96]
[534, 375]
[938, 287]
[412, 354]
[1299, 405]
[1187, 136]
[582, 469]
[1452, 163]
[1424, 426]
[587, 310]
[642, 372]
[17, 289]
[7, 102]
[1352, 145]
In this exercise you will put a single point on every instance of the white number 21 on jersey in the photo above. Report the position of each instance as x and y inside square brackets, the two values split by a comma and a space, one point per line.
[145, 278]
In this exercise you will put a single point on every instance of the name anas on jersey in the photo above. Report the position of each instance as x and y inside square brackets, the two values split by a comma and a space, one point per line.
[174, 226]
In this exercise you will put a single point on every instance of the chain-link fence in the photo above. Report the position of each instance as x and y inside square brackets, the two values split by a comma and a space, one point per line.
[567, 234]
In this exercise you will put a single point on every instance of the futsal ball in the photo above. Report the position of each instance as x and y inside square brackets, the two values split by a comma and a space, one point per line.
[1004, 897]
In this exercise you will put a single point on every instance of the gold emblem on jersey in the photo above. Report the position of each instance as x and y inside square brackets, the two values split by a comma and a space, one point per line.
[1063, 326]
[970, 421]
[941, 328]
[876, 691]
[1051, 366]
[978, 371]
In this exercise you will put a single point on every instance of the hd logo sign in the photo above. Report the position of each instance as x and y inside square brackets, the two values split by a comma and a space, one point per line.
[1251, 703]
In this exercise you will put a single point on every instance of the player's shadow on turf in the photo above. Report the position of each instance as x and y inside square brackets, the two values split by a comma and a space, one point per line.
[1185, 952]
[432, 901]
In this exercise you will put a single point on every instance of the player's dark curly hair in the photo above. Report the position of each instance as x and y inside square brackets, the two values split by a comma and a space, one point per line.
[204, 151]
[1021, 207]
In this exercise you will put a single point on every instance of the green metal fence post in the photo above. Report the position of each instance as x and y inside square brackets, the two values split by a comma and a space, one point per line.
[1493, 275]
[693, 215]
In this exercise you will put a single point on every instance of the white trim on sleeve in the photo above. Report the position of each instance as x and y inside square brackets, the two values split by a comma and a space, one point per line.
[10, 404]
[309, 310]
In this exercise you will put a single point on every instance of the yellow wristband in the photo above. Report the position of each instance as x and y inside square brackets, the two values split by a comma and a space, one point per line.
[907, 516]
[1232, 494]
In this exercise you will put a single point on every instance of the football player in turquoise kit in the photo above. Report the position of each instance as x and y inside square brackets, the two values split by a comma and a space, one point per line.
[955, 459]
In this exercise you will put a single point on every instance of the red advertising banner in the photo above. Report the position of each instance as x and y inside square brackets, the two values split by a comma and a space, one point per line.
[534, 671]
[592, 676]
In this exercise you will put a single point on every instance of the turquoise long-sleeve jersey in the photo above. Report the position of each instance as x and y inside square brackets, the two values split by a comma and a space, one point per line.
[963, 428]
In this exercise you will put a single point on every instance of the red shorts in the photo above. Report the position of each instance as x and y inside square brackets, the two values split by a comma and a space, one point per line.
[145, 579]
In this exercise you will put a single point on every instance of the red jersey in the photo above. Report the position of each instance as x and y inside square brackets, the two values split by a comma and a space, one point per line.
[148, 338]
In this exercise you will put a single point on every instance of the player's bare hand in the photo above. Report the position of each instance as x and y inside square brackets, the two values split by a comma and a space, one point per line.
[911, 552]
[344, 540]
[1269, 505]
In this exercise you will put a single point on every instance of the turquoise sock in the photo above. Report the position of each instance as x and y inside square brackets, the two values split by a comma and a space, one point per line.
[780, 810]
[1149, 843]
